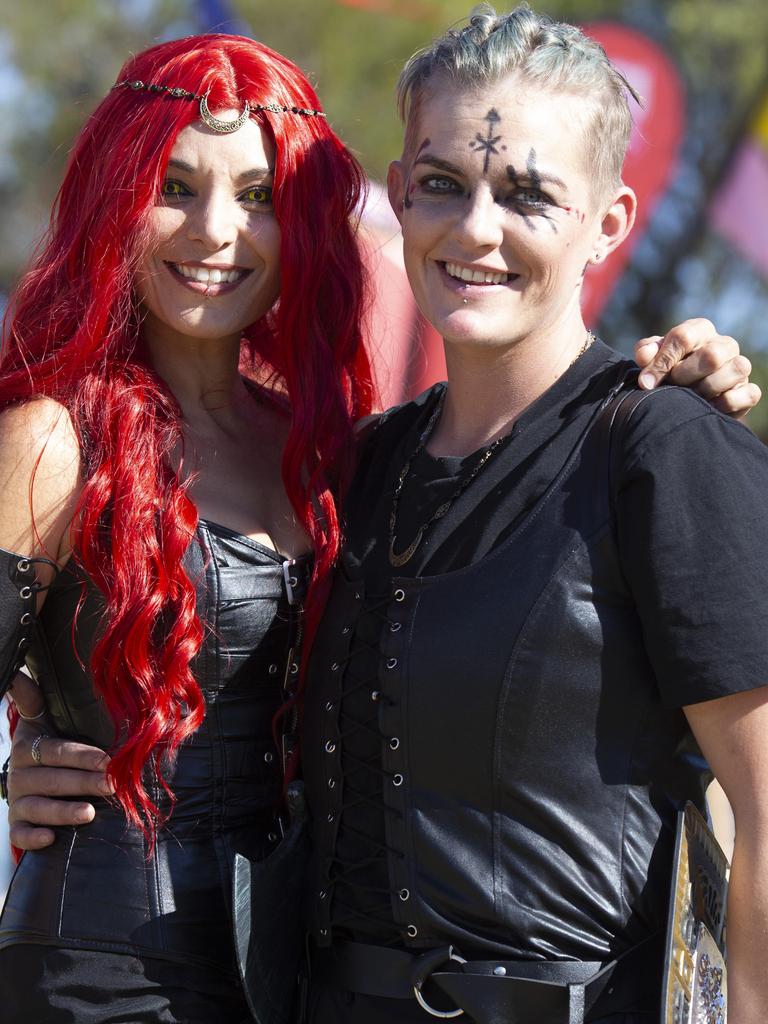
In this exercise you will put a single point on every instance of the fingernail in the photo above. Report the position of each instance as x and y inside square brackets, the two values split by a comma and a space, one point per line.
[647, 380]
[84, 814]
[107, 787]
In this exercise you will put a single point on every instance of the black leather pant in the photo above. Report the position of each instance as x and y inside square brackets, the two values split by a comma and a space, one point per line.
[48, 985]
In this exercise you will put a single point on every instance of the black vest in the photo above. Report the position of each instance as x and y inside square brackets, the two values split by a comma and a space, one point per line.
[532, 774]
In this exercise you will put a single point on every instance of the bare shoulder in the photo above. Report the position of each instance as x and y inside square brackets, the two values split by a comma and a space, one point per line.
[40, 476]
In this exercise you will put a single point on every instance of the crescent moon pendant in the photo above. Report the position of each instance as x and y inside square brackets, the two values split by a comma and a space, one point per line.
[216, 124]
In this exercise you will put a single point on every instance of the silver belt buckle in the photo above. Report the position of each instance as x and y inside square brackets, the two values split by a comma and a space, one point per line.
[696, 978]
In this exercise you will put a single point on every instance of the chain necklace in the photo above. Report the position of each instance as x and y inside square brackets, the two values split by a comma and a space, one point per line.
[395, 559]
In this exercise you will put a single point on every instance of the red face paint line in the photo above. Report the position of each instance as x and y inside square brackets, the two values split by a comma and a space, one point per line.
[574, 212]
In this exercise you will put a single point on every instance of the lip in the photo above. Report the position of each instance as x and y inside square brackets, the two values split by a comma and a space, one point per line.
[471, 287]
[206, 287]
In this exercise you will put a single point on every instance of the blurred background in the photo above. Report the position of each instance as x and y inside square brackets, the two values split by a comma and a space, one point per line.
[699, 157]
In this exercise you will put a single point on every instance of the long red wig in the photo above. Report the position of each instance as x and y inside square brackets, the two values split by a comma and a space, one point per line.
[73, 334]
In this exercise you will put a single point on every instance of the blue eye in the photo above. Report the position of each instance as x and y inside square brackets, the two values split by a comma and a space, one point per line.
[439, 185]
[531, 198]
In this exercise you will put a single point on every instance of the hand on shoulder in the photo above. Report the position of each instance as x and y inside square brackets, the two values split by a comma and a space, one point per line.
[694, 355]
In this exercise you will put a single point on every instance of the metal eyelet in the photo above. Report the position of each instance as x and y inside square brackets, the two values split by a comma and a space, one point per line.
[23, 643]
[272, 837]
[357, 595]
[294, 668]
[394, 743]
[25, 619]
[412, 931]
[23, 565]
[397, 779]
[395, 627]
[375, 696]
[335, 667]
[323, 894]
[331, 783]
[391, 663]
[330, 746]
[347, 629]
[329, 705]
[331, 818]
[25, 593]
[269, 757]
[272, 669]
[292, 581]
[399, 594]
[323, 932]
[404, 895]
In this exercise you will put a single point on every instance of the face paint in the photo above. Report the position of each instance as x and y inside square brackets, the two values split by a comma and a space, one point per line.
[530, 183]
[572, 211]
[409, 188]
[487, 145]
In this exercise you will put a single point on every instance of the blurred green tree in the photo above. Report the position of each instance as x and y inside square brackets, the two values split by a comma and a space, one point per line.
[53, 71]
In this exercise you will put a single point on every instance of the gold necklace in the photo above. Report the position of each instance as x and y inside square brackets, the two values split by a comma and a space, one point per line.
[396, 560]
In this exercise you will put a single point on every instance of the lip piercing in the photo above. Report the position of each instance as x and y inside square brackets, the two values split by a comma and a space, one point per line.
[465, 301]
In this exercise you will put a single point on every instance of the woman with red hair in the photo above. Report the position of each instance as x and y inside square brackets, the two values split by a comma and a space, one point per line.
[153, 388]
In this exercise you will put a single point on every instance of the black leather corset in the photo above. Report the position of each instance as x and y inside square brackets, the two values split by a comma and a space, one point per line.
[95, 888]
[529, 774]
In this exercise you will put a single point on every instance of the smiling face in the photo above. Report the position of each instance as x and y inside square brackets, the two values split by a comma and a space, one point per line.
[213, 265]
[498, 214]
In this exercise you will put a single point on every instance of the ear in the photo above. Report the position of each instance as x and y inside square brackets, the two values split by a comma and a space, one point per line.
[616, 223]
[396, 187]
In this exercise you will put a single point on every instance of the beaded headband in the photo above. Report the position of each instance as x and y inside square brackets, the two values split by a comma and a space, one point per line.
[214, 123]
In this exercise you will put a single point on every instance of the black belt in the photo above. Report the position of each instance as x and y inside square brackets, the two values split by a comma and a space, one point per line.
[500, 991]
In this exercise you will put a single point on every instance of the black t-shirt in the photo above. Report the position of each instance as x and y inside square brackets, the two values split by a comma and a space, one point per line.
[692, 534]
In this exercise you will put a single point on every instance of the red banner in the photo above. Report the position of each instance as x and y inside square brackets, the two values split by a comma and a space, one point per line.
[653, 150]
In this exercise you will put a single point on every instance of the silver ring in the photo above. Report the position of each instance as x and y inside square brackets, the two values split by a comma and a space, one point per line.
[443, 1014]
[36, 755]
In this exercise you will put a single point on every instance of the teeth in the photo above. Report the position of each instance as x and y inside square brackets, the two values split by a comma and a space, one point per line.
[476, 276]
[205, 276]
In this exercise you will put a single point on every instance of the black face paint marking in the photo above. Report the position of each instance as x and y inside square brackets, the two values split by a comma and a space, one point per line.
[487, 145]
[534, 180]
[409, 188]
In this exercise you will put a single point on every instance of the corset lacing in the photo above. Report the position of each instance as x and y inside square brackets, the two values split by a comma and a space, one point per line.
[18, 623]
[358, 884]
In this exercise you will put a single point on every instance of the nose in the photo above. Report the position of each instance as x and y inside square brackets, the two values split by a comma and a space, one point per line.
[213, 220]
[480, 225]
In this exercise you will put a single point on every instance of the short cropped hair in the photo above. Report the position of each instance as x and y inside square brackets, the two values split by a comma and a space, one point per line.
[550, 55]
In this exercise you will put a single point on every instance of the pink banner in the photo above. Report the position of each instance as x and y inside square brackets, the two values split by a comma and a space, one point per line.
[740, 208]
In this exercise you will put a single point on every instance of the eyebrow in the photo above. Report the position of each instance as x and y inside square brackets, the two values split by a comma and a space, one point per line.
[540, 177]
[254, 174]
[436, 161]
[523, 176]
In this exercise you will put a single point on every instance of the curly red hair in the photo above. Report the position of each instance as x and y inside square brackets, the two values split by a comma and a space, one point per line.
[72, 333]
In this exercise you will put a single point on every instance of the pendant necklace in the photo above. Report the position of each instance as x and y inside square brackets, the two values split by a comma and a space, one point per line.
[395, 559]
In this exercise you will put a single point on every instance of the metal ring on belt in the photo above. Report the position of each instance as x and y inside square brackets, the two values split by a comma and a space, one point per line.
[419, 984]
